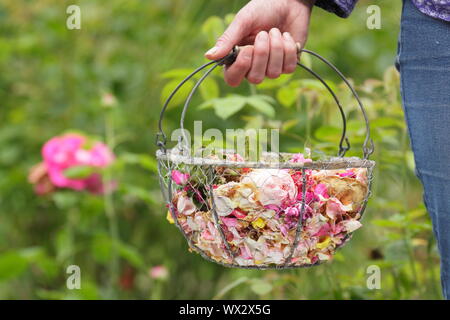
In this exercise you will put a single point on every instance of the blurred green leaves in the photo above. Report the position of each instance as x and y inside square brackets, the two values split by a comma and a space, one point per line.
[181, 95]
[213, 28]
[79, 172]
[12, 264]
[15, 263]
[102, 248]
[209, 88]
[53, 80]
[260, 287]
[228, 106]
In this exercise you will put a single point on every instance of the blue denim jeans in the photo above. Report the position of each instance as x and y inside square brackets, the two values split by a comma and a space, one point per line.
[424, 64]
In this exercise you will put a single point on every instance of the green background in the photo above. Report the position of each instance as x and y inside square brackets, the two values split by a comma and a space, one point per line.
[52, 80]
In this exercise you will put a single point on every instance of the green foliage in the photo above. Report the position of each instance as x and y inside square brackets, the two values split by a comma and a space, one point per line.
[228, 106]
[53, 80]
[79, 172]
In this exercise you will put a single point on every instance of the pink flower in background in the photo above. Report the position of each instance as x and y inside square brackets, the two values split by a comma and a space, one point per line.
[180, 178]
[159, 272]
[75, 150]
[109, 100]
[38, 176]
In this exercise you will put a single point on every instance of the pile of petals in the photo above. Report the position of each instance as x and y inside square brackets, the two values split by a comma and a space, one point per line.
[259, 210]
[69, 151]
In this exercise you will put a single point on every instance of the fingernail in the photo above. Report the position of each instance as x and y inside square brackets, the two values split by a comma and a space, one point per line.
[211, 51]
[262, 35]
[287, 35]
[274, 31]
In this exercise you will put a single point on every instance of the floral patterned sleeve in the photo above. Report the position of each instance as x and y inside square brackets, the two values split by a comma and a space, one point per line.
[342, 8]
[439, 9]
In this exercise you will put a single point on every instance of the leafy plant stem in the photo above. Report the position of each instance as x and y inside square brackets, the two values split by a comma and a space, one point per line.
[407, 235]
[71, 223]
[110, 211]
[252, 89]
[294, 136]
[229, 287]
[331, 283]
[431, 267]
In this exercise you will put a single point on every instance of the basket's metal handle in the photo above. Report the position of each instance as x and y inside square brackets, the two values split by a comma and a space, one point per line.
[368, 146]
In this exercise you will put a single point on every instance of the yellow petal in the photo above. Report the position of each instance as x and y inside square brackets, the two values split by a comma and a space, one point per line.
[325, 243]
[259, 223]
[169, 217]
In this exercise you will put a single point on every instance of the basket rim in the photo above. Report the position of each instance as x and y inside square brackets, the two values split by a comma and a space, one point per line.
[333, 163]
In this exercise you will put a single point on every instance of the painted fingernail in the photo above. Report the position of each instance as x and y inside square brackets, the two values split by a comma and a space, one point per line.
[211, 51]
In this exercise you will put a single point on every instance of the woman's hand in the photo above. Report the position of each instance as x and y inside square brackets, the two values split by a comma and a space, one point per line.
[269, 30]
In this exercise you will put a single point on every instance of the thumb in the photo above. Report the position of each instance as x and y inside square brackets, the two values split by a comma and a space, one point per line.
[235, 32]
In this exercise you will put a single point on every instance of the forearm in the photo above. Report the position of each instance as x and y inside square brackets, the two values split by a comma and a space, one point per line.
[341, 8]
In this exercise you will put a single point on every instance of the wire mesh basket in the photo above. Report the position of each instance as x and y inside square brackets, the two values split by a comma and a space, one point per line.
[282, 211]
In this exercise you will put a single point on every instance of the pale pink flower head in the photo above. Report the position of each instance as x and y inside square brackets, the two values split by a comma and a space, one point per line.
[159, 273]
[300, 158]
[38, 176]
[275, 187]
[109, 100]
[234, 157]
[75, 150]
